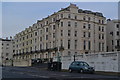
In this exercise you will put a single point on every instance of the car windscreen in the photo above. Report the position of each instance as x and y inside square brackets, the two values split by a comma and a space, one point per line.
[84, 64]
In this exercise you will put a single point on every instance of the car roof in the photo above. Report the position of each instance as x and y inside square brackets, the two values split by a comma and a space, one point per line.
[78, 61]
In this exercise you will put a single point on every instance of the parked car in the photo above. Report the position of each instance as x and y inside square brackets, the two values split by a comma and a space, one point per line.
[81, 67]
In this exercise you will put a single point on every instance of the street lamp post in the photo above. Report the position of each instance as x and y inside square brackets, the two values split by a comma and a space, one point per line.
[74, 57]
[11, 62]
[58, 55]
[58, 64]
[57, 33]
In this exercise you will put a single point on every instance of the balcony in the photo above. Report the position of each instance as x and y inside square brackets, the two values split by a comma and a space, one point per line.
[41, 51]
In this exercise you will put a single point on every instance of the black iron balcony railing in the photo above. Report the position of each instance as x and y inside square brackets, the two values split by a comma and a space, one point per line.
[40, 51]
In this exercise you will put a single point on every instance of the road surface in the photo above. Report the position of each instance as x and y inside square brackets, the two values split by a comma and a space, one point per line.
[15, 73]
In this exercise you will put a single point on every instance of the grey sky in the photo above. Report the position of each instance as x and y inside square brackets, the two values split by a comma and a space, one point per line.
[16, 16]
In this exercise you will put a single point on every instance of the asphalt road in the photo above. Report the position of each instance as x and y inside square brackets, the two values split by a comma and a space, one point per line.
[30, 73]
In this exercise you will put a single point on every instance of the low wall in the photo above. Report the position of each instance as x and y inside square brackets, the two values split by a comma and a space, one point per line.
[108, 62]
[22, 62]
[7, 63]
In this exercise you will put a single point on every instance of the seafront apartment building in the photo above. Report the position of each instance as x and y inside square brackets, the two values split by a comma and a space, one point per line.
[113, 35]
[70, 31]
[6, 51]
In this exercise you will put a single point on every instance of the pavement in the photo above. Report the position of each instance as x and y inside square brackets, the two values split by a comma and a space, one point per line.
[33, 73]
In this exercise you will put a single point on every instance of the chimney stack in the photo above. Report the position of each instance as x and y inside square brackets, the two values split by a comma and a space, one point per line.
[10, 37]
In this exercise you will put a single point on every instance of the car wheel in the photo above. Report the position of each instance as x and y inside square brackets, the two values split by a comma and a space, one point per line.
[70, 70]
[81, 71]
[92, 72]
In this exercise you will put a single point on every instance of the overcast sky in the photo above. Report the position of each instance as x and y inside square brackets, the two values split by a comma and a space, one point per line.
[16, 16]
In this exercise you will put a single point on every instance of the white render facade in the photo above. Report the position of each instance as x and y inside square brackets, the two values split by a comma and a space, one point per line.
[106, 61]
[113, 35]
[70, 31]
[6, 51]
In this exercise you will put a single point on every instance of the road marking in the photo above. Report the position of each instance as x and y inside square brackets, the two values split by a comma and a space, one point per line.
[54, 74]
[40, 76]
[21, 73]
[64, 75]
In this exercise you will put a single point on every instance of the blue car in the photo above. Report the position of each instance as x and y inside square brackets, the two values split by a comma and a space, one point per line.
[81, 67]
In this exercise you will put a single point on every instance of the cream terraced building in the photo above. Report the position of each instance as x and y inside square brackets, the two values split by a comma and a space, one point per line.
[70, 31]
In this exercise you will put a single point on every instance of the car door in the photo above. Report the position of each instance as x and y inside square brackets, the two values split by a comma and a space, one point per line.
[77, 66]
[73, 66]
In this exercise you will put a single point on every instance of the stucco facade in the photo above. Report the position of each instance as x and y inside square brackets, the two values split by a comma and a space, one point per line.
[6, 51]
[70, 31]
[113, 35]
[106, 62]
